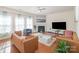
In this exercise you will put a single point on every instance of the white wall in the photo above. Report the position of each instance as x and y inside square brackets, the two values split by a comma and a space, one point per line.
[67, 16]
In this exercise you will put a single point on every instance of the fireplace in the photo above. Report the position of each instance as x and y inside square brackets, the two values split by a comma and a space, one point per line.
[41, 28]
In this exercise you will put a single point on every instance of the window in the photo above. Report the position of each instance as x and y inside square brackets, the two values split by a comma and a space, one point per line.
[5, 22]
[77, 28]
[29, 22]
[19, 22]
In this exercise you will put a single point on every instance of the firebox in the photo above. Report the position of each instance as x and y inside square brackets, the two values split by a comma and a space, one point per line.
[41, 28]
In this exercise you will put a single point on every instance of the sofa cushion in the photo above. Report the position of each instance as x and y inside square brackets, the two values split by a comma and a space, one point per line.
[19, 33]
[68, 34]
[61, 32]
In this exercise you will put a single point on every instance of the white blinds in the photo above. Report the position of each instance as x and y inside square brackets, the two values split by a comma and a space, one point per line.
[19, 23]
[6, 25]
[5, 22]
[29, 22]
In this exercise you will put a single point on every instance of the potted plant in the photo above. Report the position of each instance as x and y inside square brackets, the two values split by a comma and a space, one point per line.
[63, 47]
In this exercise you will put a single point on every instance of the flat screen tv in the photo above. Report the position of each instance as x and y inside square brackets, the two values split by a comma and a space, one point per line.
[59, 25]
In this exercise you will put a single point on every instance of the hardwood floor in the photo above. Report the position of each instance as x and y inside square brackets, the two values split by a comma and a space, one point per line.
[5, 46]
[41, 49]
[14, 49]
[45, 49]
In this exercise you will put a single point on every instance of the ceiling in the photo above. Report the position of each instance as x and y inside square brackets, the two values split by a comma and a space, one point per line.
[41, 9]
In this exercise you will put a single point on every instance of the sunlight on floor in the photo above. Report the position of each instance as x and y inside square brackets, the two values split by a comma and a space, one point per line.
[5, 47]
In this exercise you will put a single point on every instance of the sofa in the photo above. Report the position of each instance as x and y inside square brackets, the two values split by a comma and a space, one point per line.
[72, 38]
[23, 43]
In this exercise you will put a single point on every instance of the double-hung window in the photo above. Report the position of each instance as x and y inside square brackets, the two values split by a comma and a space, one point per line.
[19, 23]
[29, 22]
[5, 22]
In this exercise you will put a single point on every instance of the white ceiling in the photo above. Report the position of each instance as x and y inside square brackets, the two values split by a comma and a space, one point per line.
[48, 9]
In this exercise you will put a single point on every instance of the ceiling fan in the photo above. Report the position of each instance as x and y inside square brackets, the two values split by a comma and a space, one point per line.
[40, 9]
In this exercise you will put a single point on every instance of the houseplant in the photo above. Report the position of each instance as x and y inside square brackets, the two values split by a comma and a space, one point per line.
[63, 47]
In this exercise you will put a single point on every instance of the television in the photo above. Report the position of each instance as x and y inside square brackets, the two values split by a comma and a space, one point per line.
[59, 25]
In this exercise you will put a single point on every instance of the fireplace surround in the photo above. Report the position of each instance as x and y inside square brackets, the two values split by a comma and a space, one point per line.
[41, 28]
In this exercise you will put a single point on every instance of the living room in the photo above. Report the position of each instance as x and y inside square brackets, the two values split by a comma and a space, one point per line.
[45, 24]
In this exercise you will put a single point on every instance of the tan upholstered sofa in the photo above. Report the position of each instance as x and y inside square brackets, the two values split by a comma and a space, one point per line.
[24, 43]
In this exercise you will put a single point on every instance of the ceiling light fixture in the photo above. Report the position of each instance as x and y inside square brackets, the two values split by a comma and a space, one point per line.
[40, 9]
